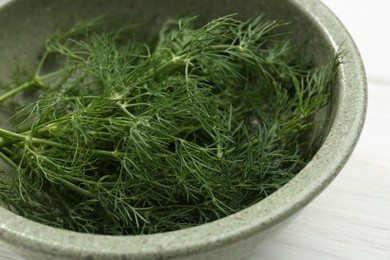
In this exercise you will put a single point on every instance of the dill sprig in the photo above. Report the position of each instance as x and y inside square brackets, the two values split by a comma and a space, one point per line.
[125, 138]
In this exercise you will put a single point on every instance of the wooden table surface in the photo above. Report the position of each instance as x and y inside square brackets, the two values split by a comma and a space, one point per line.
[351, 218]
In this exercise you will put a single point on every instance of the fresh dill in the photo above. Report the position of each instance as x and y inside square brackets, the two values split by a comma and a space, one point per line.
[126, 138]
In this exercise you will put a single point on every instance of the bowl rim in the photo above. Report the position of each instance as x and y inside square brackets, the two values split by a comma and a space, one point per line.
[309, 182]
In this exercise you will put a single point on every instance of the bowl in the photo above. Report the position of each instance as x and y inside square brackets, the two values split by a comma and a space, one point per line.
[24, 25]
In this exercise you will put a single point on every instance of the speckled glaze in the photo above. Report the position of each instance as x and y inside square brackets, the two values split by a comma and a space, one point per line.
[25, 23]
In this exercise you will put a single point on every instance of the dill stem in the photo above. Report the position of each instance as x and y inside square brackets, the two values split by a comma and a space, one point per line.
[18, 89]
[76, 188]
[6, 133]
[171, 64]
[7, 160]
[124, 109]
[36, 81]
[28, 138]
[4, 143]
[40, 65]
[56, 73]
[60, 198]
[83, 180]
[29, 84]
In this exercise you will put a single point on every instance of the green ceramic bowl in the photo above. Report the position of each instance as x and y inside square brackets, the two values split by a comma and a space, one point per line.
[24, 24]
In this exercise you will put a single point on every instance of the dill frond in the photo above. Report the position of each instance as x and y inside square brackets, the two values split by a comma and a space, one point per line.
[126, 138]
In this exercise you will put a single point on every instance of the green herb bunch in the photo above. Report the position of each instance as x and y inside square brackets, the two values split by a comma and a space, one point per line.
[125, 138]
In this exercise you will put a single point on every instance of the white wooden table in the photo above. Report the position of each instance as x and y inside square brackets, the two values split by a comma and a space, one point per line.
[350, 219]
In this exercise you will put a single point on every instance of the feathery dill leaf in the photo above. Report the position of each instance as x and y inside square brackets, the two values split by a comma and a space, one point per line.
[127, 138]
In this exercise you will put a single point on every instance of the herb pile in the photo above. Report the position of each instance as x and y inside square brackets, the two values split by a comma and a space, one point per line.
[125, 138]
